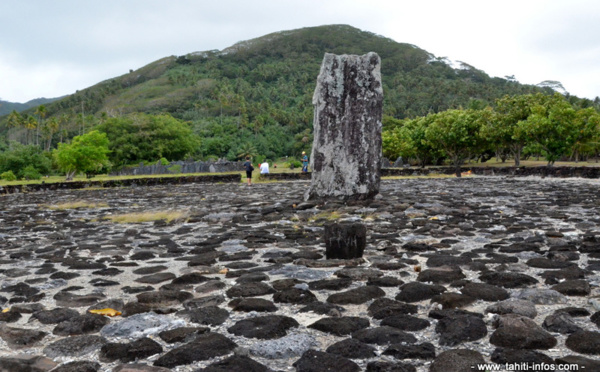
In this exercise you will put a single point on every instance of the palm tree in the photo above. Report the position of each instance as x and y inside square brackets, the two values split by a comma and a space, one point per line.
[41, 112]
[16, 120]
[246, 150]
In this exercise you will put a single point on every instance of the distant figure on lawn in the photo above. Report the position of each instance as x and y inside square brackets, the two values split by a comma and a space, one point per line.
[249, 168]
[304, 162]
[264, 168]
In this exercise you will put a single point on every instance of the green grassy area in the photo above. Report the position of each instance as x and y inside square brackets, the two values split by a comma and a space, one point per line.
[285, 169]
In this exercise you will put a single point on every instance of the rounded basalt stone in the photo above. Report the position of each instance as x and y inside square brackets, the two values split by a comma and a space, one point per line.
[584, 364]
[74, 346]
[18, 338]
[139, 289]
[379, 366]
[129, 352]
[545, 263]
[516, 356]
[340, 326]
[112, 271]
[182, 334]
[67, 299]
[319, 361]
[416, 291]
[148, 270]
[540, 296]
[419, 351]
[252, 304]
[485, 292]
[330, 284]
[406, 322]
[210, 286]
[584, 342]
[447, 260]
[507, 279]
[189, 279]
[573, 288]
[282, 284]
[322, 308]
[455, 329]
[358, 273]
[452, 300]
[252, 277]
[513, 306]
[203, 347]
[263, 327]
[596, 319]
[441, 274]
[155, 278]
[78, 366]
[294, 296]
[236, 363]
[352, 349]
[198, 302]
[385, 307]
[519, 332]
[560, 322]
[81, 324]
[383, 335]
[251, 289]
[208, 315]
[457, 360]
[356, 296]
[142, 256]
[385, 281]
[27, 363]
[568, 273]
[163, 298]
[10, 316]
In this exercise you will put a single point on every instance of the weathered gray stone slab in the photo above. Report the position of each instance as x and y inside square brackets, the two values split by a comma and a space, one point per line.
[346, 154]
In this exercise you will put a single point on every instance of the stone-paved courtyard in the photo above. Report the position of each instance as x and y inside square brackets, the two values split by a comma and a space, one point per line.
[456, 272]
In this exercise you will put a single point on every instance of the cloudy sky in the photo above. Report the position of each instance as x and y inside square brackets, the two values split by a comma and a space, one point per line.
[53, 48]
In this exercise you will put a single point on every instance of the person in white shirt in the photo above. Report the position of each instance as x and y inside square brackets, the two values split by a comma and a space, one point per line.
[264, 168]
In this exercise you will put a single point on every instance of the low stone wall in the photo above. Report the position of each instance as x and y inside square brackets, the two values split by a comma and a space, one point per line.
[182, 167]
[121, 183]
[285, 176]
[560, 172]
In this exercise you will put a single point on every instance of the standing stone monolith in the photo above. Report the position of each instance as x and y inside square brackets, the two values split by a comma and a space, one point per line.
[346, 154]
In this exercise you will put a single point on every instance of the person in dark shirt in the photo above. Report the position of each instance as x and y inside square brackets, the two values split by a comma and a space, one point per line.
[249, 168]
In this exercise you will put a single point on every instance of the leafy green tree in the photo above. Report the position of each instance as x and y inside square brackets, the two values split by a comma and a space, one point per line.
[87, 153]
[586, 132]
[18, 157]
[456, 132]
[408, 140]
[551, 125]
[142, 137]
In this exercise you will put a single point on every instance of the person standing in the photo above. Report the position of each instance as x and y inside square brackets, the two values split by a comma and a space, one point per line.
[249, 168]
[264, 168]
[304, 162]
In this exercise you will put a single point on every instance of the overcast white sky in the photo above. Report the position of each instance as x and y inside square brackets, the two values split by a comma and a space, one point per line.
[53, 48]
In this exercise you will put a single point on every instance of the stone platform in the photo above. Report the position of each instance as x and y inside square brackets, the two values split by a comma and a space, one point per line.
[455, 271]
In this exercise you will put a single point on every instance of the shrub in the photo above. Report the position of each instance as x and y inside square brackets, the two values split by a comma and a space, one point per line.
[163, 161]
[30, 173]
[8, 176]
[175, 168]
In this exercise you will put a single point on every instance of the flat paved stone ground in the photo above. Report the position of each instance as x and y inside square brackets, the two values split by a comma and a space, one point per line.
[455, 272]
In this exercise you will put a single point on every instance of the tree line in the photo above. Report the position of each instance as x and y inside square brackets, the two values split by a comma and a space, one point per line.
[517, 127]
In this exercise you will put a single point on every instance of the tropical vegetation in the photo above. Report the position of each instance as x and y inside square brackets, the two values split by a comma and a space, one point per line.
[255, 99]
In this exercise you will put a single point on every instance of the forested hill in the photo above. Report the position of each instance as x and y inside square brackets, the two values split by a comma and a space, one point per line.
[262, 88]
[6, 107]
